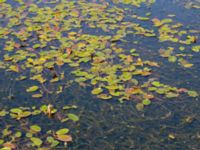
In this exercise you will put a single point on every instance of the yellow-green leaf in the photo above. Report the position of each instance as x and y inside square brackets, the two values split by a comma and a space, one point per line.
[32, 89]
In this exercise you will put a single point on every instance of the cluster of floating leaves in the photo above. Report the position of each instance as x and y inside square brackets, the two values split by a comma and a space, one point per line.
[34, 135]
[192, 4]
[169, 31]
[46, 41]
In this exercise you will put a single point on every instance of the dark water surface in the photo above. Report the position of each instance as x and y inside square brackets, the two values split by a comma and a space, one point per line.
[166, 124]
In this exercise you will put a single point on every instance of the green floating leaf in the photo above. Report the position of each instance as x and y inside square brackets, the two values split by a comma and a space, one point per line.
[32, 89]
[104, 96]
[172, 58]
[140, 106]
[3, 113]
[62, 131]
[29, 135]
[39, 95]
[14, 68]
[1, 141]
[181, 48]
[70, 107]
[156, 83]
[192, 93]
[97, 91]
[146, 102]
[36, 141]
[16, 110]
[152, 89]
[25, 114]
[52, 141]
[18, 134]
[2, 1]
[6, 132]
[35, 128]
[185, 63]
[73, 117]
[171, 95]
[126, 76]
[196, 48]
[161, 90]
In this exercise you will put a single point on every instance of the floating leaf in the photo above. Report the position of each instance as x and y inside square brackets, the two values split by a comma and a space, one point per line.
[156, 83]
[70, 107]
[3, 113]
[18, 134]
[185, 63]
[35, 128]
[16, 110]
[62, 131]
[104, 96]
[171, 95]
[171, 136]
[172, 58]
[196, 48]
[37, 95]
[1, 141]
[52, 141]
[36, 141]
[9, 145]
[161, 90]
[25, 114]
[2, 1]
[181, 48]
[32, 89]
[38, 78]
[146, 102]
[152, 89]
[192, 93]
[29, 135]
[21, 78]
[6, 132]
[97, 91]
[73, 117]
[139, 106]
[14, 68]
[64, 138]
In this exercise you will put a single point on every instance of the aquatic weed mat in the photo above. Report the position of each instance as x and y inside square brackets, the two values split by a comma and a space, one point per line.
[128, 51]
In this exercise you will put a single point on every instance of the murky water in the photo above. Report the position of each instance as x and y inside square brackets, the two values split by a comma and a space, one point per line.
[166, 124]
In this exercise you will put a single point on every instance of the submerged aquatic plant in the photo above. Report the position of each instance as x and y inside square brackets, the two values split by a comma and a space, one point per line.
[50, 43]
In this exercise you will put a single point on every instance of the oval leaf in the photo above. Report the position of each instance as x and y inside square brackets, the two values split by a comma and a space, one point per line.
[62, 131]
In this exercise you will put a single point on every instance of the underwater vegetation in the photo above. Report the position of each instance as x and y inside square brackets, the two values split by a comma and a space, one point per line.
[52, 45]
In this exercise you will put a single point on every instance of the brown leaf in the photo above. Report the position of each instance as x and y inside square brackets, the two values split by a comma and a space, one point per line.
[64, 138]
[9, 145]
[69, 51]
[182, 90]
[129, 58]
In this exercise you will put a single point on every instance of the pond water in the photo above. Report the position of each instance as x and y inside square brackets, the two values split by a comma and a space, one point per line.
[100, 75]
